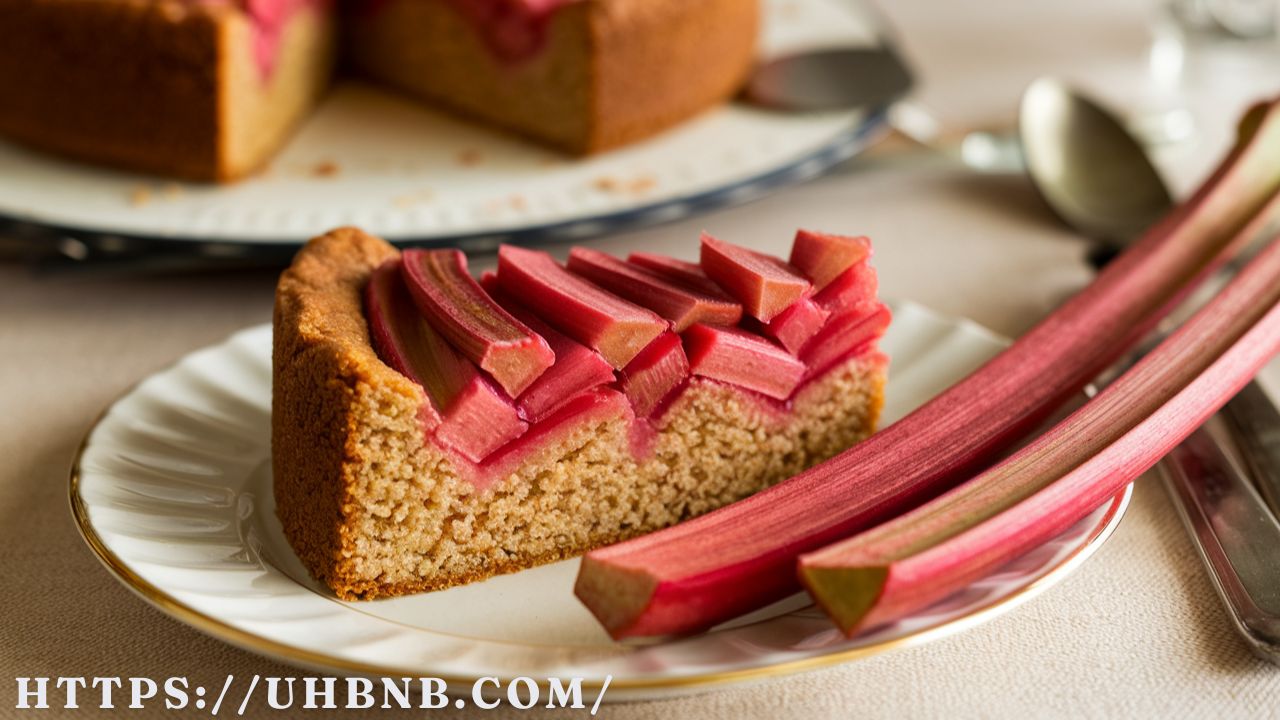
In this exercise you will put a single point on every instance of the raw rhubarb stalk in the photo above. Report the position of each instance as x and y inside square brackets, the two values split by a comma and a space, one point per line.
[743, 359]
[680, 305]
[918, 558]
[456, 306]
[796, 325]
[577, 368]
[466, 411]
[682, 272]
[616, 328]
[654, 374]
[853, 287]
[845, 334]
[823, 257]
[764, 285]
[741, 557]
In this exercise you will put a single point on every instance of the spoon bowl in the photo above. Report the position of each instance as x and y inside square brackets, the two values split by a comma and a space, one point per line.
[1089, 169]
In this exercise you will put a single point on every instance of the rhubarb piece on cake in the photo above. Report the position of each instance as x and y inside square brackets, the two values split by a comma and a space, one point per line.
[618, 329]
[654, 373]
[794, 326]
[764, 285]
[681, 272]
[466, 412]
[384, 487]
[681, 305]
[822, 257]
[577, 369]
[462, 311]
[742, 359]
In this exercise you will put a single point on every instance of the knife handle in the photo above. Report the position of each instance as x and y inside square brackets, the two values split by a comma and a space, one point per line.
[1234, 532]
[1257, 434]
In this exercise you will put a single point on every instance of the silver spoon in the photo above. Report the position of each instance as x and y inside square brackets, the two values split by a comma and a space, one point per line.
[1093, 174]
[1086, 165]
[1097, 178]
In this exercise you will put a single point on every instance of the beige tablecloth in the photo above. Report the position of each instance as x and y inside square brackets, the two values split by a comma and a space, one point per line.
[1136, 632]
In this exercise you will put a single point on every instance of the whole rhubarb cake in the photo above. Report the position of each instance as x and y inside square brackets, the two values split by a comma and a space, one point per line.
[210, 89]
[430, 428]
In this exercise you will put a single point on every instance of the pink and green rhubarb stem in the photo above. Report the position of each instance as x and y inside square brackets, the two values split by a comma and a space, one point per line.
[739, 558]
[906, 564]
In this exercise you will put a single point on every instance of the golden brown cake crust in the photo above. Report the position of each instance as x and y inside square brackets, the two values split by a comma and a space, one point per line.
[658, 62]
[129, 83]
[373, 508]
[160, 86]
[321, 359]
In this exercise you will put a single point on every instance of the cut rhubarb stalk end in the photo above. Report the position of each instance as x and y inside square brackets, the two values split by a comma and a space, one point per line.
[740, 358]
[682, 272]
[577, 369]
[915, 559]
[823, 257]
[468, 413]
[796, 325]
[616, 328]
[856, 286]
[458, 308]
[764, 285]
[681, 305]
[743, 556]
[843, 335]
[654, 374]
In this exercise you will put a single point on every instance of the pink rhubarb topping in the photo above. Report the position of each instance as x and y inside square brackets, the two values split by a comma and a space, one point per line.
[458, 308]
[577, 368]
[617, 329]
[851, 288]
[654, 374]
[681, 272]
[572, 343]
[467, 412]
[763, 284]
[680, 305]
[794, 326]
[823, 257]
[741, 358]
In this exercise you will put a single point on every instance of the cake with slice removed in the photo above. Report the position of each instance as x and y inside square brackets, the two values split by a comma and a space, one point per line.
[431, 429]
[211, 89]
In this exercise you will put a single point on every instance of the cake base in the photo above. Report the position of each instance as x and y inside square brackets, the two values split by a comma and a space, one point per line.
[374, 509]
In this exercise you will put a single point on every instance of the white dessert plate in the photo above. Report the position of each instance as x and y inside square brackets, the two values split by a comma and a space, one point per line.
[172, 491]
[406, 173]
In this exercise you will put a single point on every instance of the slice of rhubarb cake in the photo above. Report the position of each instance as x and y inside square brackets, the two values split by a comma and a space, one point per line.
[431, 428]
